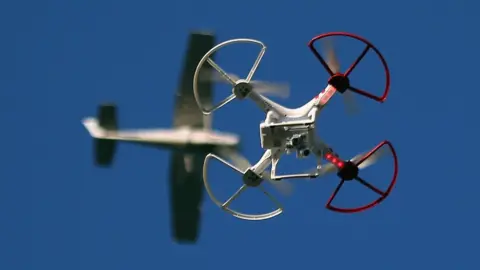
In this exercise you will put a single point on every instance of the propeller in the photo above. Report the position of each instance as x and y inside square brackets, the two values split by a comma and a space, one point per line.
[372, 159]
[325, 169]
[330, 168]
[267, 88]
[351, 105]
[286, 188]
[243, 164]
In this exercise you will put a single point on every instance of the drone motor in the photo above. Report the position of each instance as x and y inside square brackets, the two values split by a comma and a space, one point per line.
[251, 179]
[242, 89]
[349, 171]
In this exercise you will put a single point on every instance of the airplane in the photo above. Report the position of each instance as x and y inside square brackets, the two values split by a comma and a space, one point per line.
[190, 139]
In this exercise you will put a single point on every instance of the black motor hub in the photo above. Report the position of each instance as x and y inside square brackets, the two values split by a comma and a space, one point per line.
[251, 179]
[349, 171]
[340, 82]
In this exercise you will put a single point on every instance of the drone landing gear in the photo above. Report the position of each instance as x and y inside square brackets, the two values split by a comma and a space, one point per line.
[251, 179]
[349, 170]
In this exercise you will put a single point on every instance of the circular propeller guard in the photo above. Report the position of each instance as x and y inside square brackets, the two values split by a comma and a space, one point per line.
[238, 86]
[342, 78]
[249, 182]
[383, 194]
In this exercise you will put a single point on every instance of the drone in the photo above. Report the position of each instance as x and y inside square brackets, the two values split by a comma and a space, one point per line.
[285, 130]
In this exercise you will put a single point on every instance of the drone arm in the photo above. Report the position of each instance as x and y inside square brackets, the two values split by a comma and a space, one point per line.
[313, 114]
[319, 148]
[264, 103]
[263, 163]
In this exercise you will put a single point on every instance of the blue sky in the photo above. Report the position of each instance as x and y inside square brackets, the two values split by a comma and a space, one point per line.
[59, 59]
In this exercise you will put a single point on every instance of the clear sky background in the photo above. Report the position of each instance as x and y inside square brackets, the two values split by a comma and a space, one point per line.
[60, 59]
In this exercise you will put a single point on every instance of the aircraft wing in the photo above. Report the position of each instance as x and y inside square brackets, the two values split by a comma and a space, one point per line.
[186, 195]
[186, 185]
[186, 112]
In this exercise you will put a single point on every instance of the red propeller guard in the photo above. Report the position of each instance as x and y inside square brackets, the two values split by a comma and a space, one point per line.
[384, 193]
[350, 69]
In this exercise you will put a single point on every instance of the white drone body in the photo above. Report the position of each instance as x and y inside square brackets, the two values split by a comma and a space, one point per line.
[284, 131]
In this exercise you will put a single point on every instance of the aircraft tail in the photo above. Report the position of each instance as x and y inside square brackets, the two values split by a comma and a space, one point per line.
[104, 149]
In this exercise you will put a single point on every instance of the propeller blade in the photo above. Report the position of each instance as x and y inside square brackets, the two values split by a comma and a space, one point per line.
[351, 105]
[284, 187]
[237, 159]
[330, 168]
[358, 157]
[209, 75]
[217, 77]
[373, 158]
[272, 89]
[325, 169]
[267, 88]
[331, 56]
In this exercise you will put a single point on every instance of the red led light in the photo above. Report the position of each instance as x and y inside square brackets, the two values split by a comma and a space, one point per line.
[328, 156]
[340, 164]
[334, 160]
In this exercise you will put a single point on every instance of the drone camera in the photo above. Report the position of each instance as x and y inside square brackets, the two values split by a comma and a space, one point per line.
[298, 139]
[303, 152]
[295, 141]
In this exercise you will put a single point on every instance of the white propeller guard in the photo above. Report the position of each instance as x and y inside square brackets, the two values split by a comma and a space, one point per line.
[246, 81]
[225, 206]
